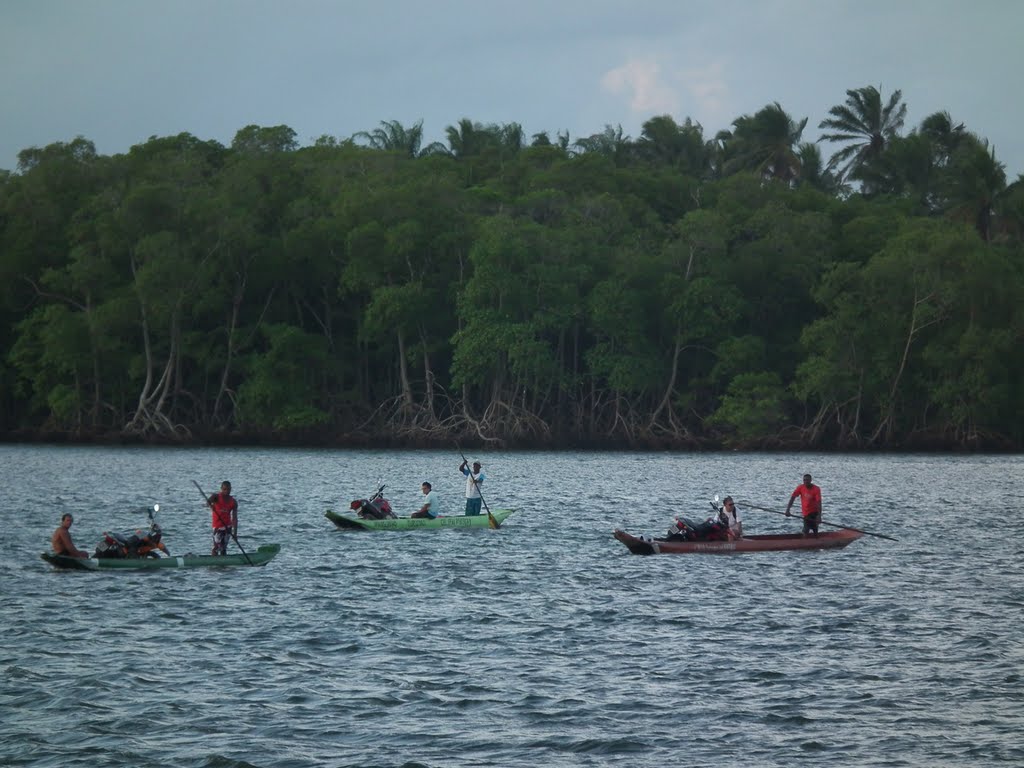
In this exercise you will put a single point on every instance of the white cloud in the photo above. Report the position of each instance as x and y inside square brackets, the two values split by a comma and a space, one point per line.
[641, 80]
[707, 60]
[653, 87]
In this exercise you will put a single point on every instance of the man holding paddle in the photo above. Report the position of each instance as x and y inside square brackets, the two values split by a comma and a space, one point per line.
[810, 504]
[225, 518]
[474, 478]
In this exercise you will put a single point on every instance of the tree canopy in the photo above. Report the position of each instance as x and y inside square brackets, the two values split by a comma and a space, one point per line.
[673, 290]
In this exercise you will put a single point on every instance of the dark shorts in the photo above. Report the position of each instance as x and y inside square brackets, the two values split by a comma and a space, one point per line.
[811, 522]
[473, 506]
[220, 541]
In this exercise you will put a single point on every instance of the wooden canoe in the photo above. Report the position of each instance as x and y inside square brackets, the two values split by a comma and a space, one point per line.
[775, 542]
[353, 523]
[261, 556]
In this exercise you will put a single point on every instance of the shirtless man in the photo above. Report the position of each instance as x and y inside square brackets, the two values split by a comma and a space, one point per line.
[61, 542]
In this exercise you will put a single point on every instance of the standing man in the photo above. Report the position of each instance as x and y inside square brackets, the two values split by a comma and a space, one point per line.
[61, 543]
[473, 480]
[431, 507]
[810, 504]
[225, 518]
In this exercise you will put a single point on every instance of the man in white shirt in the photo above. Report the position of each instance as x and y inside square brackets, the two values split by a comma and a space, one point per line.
[473, 480]
[731, 517]
[431, 506]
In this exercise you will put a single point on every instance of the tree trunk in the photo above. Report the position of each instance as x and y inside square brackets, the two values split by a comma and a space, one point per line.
[886, 424]
[229, 354]
[403, 372]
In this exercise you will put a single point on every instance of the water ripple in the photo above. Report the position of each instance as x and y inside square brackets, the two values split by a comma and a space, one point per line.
[542, 643]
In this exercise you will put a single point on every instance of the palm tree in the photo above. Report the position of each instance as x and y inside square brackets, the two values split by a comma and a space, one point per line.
[511, 137]
[975, 182]
[469, 139]
[610, 143]
[939, 129]
[943, 169]
[813, 172]
[392, 136]
[767, 143]
[865, 125]
[543, 139]
[906, 169]
[665, 142]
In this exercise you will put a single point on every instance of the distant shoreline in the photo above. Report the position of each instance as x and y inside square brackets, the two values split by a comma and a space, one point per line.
[363, 442]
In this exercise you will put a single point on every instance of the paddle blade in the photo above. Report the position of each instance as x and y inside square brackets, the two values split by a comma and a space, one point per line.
[492, 521]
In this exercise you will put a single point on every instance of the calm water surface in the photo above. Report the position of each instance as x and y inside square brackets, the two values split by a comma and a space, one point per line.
[543, 643]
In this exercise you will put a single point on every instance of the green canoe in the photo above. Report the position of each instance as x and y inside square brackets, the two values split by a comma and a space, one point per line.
[261, 556]
[353, 523]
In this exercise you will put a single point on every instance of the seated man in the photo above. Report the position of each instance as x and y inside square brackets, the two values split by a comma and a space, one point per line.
[61, 542]
[730, 516]
[431, 506]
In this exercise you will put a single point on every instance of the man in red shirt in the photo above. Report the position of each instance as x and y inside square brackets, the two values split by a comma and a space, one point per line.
[225, 518]
[810, 504]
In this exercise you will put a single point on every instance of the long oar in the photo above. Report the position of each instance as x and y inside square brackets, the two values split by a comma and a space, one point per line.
[823, 522]
[206, 499]
[492, 521]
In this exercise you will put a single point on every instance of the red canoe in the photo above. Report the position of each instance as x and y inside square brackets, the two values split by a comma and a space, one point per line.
[775, 542]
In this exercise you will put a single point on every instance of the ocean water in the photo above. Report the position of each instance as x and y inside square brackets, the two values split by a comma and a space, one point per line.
[542, 643]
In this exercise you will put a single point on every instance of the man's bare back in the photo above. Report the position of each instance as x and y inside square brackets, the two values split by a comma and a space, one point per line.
[61, 542]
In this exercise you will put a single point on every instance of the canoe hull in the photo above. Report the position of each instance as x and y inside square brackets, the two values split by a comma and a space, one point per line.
[779, 542]
[261, 556]
[351, 523]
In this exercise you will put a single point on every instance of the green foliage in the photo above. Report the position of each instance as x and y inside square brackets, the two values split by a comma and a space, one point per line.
[865, 125]
[766, 143]
[281, 389]
[736, 355]
[670, 289]
[625, 353]
[255, 138]
[752, 409]
[50, 356]
[524, 292]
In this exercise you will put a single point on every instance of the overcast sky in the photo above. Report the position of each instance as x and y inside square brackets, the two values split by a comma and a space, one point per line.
[120, 71]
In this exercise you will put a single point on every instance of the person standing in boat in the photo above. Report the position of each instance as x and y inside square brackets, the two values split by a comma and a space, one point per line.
[474, 478]
[225, 518]
[810, 504]
[61, 542]
[731, 517]
[431, 507]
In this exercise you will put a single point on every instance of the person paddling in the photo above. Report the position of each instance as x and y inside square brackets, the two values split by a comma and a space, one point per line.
[61, 542]
[225, 518]
[810, 504]
[474, 479]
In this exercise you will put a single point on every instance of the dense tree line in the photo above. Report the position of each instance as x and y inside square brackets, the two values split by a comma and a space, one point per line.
[676, 289]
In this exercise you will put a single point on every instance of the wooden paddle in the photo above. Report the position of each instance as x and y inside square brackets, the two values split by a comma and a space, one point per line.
[206, 499]
[823, 522]
[492, 521]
